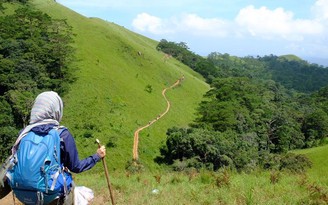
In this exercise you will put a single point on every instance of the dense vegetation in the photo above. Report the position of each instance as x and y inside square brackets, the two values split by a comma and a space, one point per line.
[35, 54]
[257, 108]
[101, 104]
[109, 99]
[252, 112]
[289, 71]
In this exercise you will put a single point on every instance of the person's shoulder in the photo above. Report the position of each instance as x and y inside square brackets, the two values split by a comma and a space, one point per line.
[61, 129]
[64, 132]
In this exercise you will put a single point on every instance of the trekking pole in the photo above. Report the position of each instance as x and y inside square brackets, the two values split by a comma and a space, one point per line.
[107, 177]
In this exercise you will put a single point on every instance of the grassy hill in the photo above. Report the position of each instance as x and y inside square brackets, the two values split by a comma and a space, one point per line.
[257, 187]
[318, 156]
[109, 101]
[290, 57]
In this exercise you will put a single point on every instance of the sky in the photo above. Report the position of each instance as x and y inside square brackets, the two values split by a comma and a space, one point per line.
[236, 27]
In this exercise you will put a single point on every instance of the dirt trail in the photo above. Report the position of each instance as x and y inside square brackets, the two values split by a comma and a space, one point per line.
[136, 133]
[9, 200]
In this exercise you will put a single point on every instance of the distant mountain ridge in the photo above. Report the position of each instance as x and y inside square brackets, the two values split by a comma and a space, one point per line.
[319, 61]
[311, 60]
[291, 57]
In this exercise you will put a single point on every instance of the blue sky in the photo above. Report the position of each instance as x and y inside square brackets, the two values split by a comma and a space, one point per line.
[236, 27]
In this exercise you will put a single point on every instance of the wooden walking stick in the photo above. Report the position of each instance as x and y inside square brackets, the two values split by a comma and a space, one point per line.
[107, 177]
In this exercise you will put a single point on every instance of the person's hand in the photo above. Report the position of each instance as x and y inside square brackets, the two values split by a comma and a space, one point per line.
[101, 151]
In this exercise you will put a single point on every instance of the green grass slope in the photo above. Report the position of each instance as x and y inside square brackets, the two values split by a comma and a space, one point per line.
[109, 102]
[290, 57]
[318, 156]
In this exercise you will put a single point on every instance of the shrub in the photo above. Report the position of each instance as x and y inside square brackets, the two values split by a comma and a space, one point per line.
[270, 161]
[223, 179]
[179, 165]
[185, 164]
[318, 194]
[198, 148]
[134, 166]
[87, 134]
[295, 163]
[149, 88]
[274, 177]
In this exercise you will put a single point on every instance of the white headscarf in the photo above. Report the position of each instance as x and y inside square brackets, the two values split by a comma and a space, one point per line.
[47, 109]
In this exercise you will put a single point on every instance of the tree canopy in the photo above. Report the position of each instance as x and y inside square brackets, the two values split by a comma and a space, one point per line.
[35, 55]
[257, 107]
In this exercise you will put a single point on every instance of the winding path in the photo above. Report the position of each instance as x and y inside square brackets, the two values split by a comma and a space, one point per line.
[9, 198]
[136, 133]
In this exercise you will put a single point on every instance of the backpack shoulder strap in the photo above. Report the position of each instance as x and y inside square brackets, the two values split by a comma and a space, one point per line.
[60, 129]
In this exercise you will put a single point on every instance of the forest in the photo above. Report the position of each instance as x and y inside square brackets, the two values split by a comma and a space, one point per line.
[35, 54]
[258, 109]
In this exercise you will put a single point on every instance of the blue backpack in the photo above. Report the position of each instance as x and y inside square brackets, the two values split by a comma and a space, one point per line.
[38, 176]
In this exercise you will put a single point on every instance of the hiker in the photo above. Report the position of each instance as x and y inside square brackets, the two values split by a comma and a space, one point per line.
[46, 115]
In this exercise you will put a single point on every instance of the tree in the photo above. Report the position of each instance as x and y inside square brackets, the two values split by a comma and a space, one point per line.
[22, 102]
[210, 149]
[7, 129]
[229, 104]
[246, 106]
[35, 55]
[315, 127]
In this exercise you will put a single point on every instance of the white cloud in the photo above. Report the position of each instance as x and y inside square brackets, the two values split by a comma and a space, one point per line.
[147, 23]
[262, 20]
[186, 23]
[202, 26]
[276, 23]
[285, 32]
[320, 10]
[250, 21]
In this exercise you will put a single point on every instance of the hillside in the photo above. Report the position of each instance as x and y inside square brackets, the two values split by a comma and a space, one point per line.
[125, 85]
[109, 101]
[318, 156]
[290, 57]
